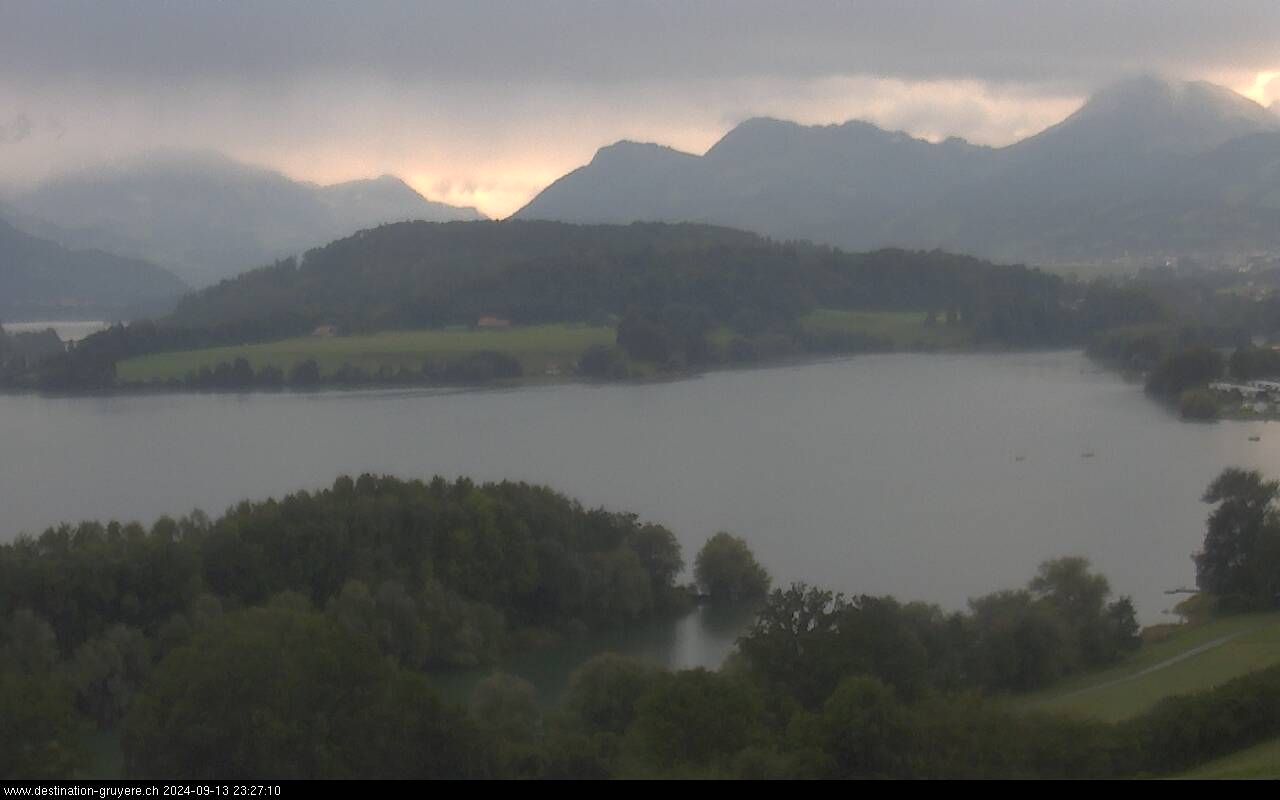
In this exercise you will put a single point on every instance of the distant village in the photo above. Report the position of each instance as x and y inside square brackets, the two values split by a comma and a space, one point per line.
[1258, 397]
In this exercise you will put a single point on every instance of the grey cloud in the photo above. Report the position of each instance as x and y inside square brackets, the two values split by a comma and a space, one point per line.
[631, 40]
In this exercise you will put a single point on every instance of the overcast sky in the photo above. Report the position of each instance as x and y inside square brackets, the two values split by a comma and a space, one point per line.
[484, 103]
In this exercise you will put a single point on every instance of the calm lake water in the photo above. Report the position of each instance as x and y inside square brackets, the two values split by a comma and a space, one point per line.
[68, 331]
[926, 476]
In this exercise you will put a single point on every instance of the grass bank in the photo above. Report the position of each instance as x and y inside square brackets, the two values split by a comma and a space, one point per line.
[904, 330]
[1192, 658]
[538, 348]
[1260, 761]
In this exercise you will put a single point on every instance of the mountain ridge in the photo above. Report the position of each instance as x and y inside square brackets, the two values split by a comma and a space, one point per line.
[39, 278]
[208, 216]
[859, 186]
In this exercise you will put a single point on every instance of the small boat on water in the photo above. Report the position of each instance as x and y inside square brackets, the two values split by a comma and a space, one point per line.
[1255, 438]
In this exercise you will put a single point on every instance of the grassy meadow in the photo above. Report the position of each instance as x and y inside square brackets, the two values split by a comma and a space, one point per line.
[538, 348]
[1190, 659]
[1261, 761]
[905, 330]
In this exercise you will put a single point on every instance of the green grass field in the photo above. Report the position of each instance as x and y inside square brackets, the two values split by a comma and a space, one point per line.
[1261, 761]
[537, 348]
[904, 329]
[1168, 667]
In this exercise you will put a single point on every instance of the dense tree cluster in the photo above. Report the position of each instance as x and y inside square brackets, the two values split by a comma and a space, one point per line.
[806, 640]
[212, 648]
[284, 692]
[1183, 370]
[462, 561]
[1251, 363]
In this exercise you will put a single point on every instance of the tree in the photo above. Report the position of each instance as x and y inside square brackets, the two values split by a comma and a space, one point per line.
[107, 670]
[1240, 560]
[507, 705]
[790, 645]
[1019, 644]
[282, 693]
[659, 554]
[602, 361]
[1184, 370]
[604, 691]
[1102, 631]
[694, 717]
[644, 340]
[1199, 403]
[41, 737]
[728, 572]
[305, 373]
[866, 733]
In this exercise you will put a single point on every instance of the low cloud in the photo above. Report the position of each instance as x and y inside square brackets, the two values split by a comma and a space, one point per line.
[485, 102]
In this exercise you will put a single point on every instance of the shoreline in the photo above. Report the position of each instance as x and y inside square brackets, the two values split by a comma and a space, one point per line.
[532, 381]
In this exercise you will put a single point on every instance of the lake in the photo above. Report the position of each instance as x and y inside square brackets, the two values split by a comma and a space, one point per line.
[932, 477]
[68, 331]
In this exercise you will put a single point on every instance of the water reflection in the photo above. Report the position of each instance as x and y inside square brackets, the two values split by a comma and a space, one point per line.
[704, 637]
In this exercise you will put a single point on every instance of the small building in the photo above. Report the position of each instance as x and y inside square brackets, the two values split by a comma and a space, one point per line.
[490, 321]
[1247, 391]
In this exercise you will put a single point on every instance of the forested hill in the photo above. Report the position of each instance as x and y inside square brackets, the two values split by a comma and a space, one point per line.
[418, 274]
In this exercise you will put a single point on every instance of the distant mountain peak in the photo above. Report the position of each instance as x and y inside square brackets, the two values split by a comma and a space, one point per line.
[627, 151]
[208, 216]
[1148, 93]
[1156, 115]
[765, 137]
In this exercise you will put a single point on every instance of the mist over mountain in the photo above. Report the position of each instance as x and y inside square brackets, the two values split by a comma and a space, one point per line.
[41, 279]
[208, 217]
[1147, 168]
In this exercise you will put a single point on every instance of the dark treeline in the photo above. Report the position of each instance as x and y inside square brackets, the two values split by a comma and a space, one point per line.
[212, 648]
[667, 287]
[22, 351]
[477, 564]
[409, 576]
[1176, 329]
[424, 275]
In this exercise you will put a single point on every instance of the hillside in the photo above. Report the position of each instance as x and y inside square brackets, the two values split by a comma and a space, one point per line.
[210, 217]
[422, 275]
[1127, 176]
[43, 280]
[665, 298]
[1194, 658]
